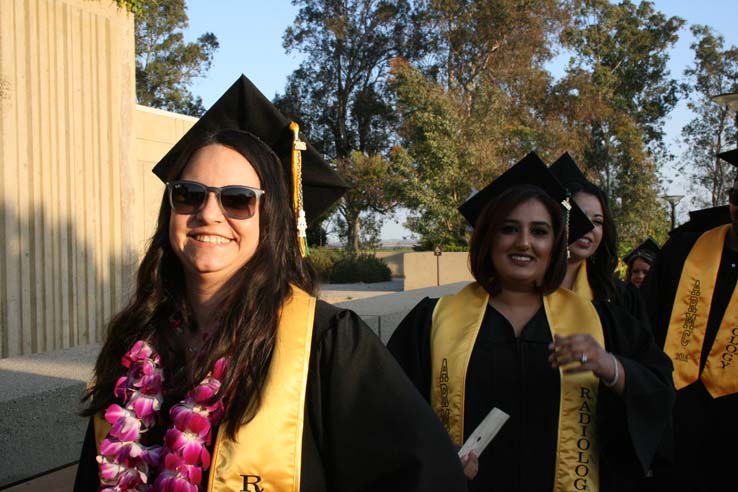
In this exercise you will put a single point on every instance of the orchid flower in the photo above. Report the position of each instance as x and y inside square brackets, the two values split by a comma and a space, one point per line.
[125, 464]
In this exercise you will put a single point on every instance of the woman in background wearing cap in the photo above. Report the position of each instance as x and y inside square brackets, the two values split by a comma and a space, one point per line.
[593, 257]
[224, 373]
[587, 397]
[637, 269]
[640, 261]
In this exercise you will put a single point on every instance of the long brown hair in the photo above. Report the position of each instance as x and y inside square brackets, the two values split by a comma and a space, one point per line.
[488, 226]
[601, 265]
[247, 318]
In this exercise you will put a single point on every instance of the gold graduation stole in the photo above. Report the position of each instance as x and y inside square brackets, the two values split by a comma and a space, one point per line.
[267, 452]
[577, 456]
[456, 323]
[455, 326]
[581, 283]
[688, 322]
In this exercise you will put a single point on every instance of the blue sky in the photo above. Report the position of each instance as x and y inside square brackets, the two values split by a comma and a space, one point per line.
[250, 35]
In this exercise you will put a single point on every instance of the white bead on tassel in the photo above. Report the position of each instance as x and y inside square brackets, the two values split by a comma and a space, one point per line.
[301, 224]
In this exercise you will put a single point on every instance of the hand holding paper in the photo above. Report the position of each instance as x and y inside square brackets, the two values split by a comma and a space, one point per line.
[484, 433]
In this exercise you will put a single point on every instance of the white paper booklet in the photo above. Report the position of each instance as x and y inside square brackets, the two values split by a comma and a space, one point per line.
[484, 433]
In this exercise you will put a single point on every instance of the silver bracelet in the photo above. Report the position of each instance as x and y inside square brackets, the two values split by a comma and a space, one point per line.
[614, 381]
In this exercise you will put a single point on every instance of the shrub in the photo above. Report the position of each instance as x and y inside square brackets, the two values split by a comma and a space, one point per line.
[323, 260]
[360, 268]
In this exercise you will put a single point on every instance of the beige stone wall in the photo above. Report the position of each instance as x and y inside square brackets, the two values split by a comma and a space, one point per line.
[424, 269]
[66, 164]
[78, 199]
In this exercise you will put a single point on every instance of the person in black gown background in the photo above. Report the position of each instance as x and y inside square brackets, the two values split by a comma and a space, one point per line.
[236, 377]
[639, 261]
[499, 330]
[707, 396]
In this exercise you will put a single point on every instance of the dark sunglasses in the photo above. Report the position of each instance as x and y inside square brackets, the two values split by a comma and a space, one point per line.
[236, 202]
[732, 196]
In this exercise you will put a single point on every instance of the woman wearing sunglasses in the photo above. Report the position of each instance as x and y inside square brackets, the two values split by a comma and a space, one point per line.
[224, 373]
[586, 389]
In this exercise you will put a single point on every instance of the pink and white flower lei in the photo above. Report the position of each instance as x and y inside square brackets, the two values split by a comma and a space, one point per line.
[177, 466]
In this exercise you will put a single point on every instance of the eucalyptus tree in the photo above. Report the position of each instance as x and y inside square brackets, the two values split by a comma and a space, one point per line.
[615, 97]
[473, 104]
[714, 71]
[165, 64]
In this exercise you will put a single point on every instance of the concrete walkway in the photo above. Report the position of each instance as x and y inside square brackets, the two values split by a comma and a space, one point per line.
[334, 293]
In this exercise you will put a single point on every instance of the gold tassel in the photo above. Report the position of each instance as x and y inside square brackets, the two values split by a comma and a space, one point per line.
[297, 199]
[567, 212]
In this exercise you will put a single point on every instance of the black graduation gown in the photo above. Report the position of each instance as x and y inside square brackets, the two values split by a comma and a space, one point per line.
[514, 375]
[366, 427]
[628, 297]
[703, 426]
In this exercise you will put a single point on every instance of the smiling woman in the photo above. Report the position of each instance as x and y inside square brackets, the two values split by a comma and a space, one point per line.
[515, 340]
[528, 239]
[523, 246]
[225, 372]
[210, 243]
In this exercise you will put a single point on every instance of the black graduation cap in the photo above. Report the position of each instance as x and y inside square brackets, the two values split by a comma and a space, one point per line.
[705, 219]
[567, 171]
[648, 249]
[569, 174]
[244, 107]
[730, 156]
[529, 171]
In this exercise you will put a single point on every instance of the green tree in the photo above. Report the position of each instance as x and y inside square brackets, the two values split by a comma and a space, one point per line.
[713, 129]
[474, 105]
[373, 180]
[614, 99]
[437, 165]
[165, 63]
[339, 95]
[625, 48]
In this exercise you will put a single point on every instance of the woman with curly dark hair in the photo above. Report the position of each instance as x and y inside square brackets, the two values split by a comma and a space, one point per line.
[224, 372]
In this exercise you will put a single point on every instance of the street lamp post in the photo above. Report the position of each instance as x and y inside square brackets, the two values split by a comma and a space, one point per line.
[673, 200]
[730, 101]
